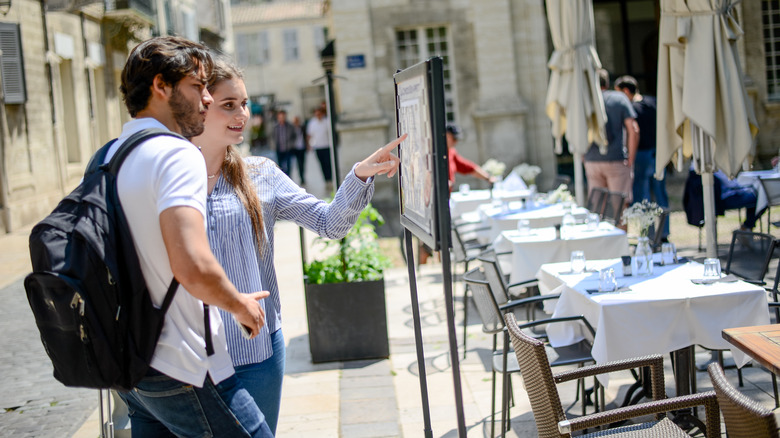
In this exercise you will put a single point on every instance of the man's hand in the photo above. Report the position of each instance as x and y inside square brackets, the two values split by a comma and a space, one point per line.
[380, 162]
[249, 313]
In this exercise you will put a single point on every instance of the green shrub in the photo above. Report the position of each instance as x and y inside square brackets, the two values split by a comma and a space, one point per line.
[358, 256]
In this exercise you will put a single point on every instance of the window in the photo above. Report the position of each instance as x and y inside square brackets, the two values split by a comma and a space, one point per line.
[290, 45]
[770, 11]
[319, 38]
[417, 45]
[252, 48]
[11, 64]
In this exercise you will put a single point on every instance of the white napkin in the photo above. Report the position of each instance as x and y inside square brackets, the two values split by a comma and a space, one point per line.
[514, 183]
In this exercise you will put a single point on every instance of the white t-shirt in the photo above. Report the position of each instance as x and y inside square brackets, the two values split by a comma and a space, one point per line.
[317, 129]
[161, 173]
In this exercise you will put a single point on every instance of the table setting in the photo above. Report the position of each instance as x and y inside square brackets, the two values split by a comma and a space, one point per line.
[666, 311]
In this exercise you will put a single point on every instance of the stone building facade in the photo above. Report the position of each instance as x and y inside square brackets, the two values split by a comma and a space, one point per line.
[494, 52]
[61, 66]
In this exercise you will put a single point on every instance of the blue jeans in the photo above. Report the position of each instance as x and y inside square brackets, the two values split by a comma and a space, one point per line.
[285, 160]
[742, 197]
[160, 406]
[645, 183]
[264, 380]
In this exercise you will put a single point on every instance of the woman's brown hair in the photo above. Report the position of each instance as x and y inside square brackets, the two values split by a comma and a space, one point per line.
[233, 167]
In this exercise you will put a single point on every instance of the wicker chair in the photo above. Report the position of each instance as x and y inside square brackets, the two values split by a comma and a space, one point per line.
[502, 360]
[551, 421]
[744, 417]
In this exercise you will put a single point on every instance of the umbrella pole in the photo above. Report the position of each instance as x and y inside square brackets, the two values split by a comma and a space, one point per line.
[579, 189]
[702, 143]
[710, 221]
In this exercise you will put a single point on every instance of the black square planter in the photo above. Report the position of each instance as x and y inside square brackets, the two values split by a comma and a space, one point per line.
[347, 321]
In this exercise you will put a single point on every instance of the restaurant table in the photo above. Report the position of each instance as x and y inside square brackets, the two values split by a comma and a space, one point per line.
[753, 178]
[530, 251]
[658, 314]
[762, 343]
[505, 217]
[461, 203]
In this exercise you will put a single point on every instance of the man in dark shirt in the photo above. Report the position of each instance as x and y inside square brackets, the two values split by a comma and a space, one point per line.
[284, 140]
[612, 168]
[644, 165]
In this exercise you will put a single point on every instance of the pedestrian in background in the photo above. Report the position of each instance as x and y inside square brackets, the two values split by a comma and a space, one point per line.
[284, 140]
[645, 185]
[300, 149]
[318, 133]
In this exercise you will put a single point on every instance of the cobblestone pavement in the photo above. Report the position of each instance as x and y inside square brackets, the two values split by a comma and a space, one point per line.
[32, 402]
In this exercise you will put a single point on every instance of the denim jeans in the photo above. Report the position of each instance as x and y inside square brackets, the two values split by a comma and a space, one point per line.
[164, 407]
[645, 182]
[264, 380]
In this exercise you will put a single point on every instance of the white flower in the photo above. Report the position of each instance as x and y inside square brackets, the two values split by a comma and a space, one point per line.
[494, 167]
[561, 194]
[642, 215]
[527, 172]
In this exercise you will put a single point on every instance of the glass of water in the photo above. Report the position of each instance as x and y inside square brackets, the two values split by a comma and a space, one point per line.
[607, 280]
[523, 227]
[593, 221]
[577, 262]
[668, 253]
[711, 268]
[464, 188]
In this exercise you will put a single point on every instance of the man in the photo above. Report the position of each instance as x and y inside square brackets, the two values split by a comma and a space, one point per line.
[458, 164]
[284, 140]
[300, 149]
[318, 133]
[613, 170]
[644, 165]
[190, 389]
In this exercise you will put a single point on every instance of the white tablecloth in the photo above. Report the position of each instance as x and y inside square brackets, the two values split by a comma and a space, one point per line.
[506, 217]
[754, 178]
[465, 202]
[531, 251]
[659, 314]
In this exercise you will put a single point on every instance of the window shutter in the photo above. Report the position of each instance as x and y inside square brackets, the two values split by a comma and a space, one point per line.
[11, 64]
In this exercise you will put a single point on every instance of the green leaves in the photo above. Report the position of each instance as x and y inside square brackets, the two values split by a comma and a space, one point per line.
[356, 257]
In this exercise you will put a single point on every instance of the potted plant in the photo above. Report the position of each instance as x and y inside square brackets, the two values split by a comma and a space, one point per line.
[345, 295]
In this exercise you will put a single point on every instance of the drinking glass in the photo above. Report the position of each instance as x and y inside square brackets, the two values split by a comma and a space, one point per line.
[593, 221]
[711, 268]
[523, 227]
[567, 225]
[464, 188]
[668, 253]
[607, 280]
[577, 262]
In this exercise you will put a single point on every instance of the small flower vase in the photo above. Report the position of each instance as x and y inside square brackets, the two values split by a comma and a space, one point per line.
[642, 263]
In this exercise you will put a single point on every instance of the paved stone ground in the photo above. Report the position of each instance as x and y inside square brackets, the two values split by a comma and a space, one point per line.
[32, 402]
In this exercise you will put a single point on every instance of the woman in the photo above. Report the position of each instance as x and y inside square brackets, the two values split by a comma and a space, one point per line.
[246, 197]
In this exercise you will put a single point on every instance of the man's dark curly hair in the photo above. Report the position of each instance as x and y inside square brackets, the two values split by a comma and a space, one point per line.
[172, 57]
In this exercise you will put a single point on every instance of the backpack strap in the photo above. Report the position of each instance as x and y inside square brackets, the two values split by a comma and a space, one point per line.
[113, 167]
[133, 141]
[97, 159]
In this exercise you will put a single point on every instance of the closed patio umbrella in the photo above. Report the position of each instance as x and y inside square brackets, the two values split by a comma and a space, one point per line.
[574, 102]
[703, 109]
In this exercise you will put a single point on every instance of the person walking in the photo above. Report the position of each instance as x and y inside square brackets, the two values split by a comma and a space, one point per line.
[284, 141]
[300, 149]
[612, 168]
[246, 198]
[191, 388]
[318, 133]
[645, 185]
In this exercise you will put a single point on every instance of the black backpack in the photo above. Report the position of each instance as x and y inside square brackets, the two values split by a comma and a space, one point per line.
[87, 292]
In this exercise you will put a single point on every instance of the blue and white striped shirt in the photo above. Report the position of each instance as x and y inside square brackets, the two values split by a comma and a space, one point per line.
[232, 239]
